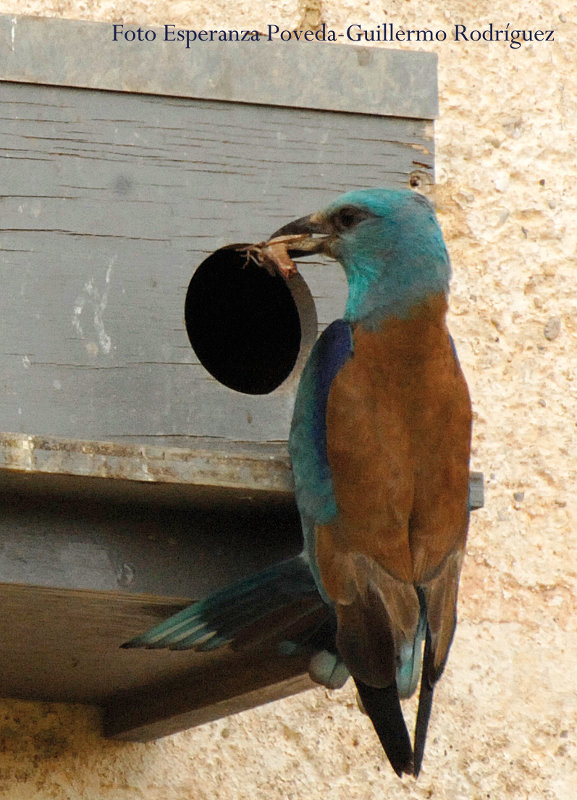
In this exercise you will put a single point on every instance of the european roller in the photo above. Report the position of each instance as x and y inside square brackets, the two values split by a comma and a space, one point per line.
[379, 445]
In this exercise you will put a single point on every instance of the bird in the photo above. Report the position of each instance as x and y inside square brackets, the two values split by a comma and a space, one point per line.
[380, 447]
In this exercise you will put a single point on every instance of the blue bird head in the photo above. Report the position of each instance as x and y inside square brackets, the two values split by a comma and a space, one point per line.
[389, 243]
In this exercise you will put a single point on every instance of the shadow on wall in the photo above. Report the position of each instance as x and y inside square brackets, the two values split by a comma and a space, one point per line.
[55, 750]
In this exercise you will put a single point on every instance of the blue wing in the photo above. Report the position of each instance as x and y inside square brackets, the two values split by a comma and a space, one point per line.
[224, 618]
[308, 438]
[317, 505]
[242, 613]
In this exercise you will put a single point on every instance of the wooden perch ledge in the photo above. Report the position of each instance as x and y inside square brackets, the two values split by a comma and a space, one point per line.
[102, 540]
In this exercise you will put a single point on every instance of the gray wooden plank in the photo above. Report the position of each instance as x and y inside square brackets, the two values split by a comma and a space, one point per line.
[309, 75]
[248, 467]
[79, 534]
[253, 469]
[109, 202]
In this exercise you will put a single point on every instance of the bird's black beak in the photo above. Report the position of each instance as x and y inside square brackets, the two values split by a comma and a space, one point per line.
[311, 234]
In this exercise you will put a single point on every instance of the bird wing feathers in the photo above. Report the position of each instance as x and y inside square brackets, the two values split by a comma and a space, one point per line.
[383, 495]
[398, 430]
[308, 437]
[264, 606]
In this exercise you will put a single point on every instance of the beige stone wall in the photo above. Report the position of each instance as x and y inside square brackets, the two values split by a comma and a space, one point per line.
[505, 719]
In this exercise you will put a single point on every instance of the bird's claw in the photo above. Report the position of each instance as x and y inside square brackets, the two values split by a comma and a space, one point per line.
[328, 670]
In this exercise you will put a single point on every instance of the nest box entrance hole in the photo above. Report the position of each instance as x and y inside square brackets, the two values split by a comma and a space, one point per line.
[247, 327]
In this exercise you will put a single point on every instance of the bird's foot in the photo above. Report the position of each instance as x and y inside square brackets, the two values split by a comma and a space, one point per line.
[328, 670]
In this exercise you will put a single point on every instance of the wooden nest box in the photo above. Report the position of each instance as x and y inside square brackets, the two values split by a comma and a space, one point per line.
[135, 475]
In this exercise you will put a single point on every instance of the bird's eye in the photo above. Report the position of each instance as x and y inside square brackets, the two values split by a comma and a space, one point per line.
[347, 217]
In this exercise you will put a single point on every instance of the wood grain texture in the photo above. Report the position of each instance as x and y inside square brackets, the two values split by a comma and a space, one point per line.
[109, 201]
[242, 466]
[354, 79]
[88, 562]
[131, 482]
[71, 535]
[65, 646]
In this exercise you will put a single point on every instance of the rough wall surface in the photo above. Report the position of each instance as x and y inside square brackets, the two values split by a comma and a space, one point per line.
[505, 720]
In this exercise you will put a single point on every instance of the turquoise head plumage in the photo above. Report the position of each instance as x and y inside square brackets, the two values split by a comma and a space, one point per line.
[390, 245]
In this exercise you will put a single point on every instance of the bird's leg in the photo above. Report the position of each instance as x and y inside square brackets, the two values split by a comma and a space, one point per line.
[328, 669]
